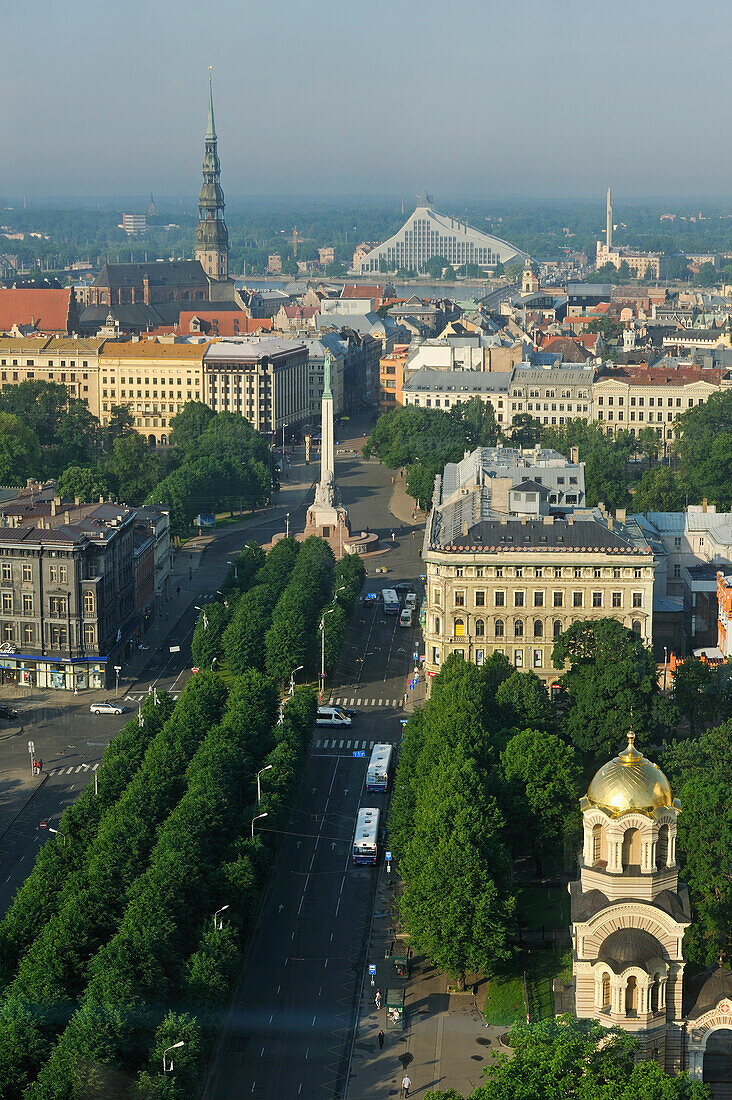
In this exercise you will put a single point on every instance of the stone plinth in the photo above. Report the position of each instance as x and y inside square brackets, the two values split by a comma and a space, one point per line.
[330, 524]
[362, 543]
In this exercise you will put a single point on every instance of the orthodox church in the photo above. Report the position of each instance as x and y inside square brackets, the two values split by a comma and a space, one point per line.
[629, 916]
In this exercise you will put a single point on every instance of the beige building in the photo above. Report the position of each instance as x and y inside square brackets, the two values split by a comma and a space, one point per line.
[552, 395]
[512, 559]
[264, 379]
[153, 380]
[70, 361]
[633, 398]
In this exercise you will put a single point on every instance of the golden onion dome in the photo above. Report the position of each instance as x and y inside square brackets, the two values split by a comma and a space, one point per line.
[629, 782]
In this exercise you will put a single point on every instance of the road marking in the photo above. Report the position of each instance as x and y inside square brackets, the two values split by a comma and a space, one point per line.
[279, 987]
[348, 744]
[8, 878]
[271, 1017]
[380, 702]
[21, 859]
[261, 1053]
[72, 786]
[314, 1019]
[338, 906]
[325, 964]
[85, 767]
[307, 1051]
[317, 744]
[69, 771]
[94, 767]
[341, 745]
[358, 704]
[79, 767]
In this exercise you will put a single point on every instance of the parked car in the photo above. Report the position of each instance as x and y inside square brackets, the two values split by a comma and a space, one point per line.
[106, 708]
[7, 711]
[332, 716]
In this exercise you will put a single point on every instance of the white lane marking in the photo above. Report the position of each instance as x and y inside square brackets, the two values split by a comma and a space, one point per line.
[317, 744]
[79, 768]
[261, 1053]
[338, 906]
[21, 859]
[69, 771]
[380, 701]
[94, 767]
[279, 987]
[341, 745]
[72, 786]
[271, 1017]
[358, 703]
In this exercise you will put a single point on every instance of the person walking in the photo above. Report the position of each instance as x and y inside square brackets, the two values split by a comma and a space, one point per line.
[381, 1040]
[406, 1083]
[377, 998]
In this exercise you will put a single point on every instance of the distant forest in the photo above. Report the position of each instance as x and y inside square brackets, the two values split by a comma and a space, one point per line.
[257, 227]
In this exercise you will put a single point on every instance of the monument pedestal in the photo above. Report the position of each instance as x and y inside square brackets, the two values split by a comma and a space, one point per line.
[329, 522]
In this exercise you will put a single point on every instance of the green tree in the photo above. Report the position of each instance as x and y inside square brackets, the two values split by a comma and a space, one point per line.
[696, 693]
[525, 430]
[85, 482]
[435, 266]
[659, 490]
[66, 429]
[545, 775]
[20, 451]
[524, 702]
[677, 267]
[189, 425]
[704, 448]
[605, 457]
[706, 275]
[611, 684]
[649, 442]
[478, 420]
[560, 1058]
[121, 422]
[208, 634]
[608, 326]
[134, 467]
[456, 904]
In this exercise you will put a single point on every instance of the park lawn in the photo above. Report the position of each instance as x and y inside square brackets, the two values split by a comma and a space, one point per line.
[537, 906]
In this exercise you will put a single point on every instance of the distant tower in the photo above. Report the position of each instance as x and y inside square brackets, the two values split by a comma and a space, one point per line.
[609, 217]
[151, 211]
[294, 243]
[212, 238]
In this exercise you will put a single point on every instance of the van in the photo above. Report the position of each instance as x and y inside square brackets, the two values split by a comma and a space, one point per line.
[405, 619]
[411, 601]
[331, 716]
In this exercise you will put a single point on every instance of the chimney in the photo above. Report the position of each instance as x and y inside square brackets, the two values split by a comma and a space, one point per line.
[574, 454]
[620, 514]
[570, 520]
[465, 530]
[77, 501]
[53, 507]
[101, 498]
[67, 517]
[704, 504]
[609, 523]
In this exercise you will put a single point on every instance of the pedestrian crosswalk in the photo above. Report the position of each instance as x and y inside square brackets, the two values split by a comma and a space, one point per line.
[74, 769]
[139, 696]
[341, 743]
[356, 702]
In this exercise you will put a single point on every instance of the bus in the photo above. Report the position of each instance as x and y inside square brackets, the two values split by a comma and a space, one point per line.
[377, 776]
[391, 601]
[366, 837]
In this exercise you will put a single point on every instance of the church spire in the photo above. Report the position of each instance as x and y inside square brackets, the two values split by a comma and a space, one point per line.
[212, 238]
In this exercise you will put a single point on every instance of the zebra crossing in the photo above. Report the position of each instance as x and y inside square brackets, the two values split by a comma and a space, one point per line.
[356, 702]
[341, 743]
[140, 696]
[74, 769]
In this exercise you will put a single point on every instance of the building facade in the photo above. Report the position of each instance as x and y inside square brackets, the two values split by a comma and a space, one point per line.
[68, 361]
[67, 595]
[444, 389]
[265, 380]
[427, 234]
[633, 398]
[512, 559]
[153, 380]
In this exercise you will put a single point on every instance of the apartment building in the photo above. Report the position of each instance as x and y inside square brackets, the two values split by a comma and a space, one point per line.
[442, 389]
[391, 378]
[552, 395]
[633, 398]
[510, 566]
[67, 594]
[68, 360]
[153, 380]
[266, 380]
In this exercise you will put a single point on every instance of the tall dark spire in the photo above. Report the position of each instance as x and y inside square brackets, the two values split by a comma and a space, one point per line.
[212, 238]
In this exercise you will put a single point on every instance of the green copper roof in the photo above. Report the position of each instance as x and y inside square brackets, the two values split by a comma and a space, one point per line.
[210, 128]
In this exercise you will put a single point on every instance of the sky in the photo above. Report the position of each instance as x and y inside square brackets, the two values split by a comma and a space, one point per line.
[476, 98]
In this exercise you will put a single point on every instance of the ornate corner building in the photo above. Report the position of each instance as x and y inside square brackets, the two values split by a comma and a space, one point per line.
[629, 916]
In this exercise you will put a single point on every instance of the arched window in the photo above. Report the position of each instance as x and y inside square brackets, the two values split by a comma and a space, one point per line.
[538, 628]
[518, 628]
[557, 628]
[163, 441]
[437, 624]
[631, 996]
[653, 993]
[459, 628]
[596, 844]
[636, 626]
[662, 847]
[479, 628]
[605, 998]
[631, 848]
[499, 628]
[151, 440]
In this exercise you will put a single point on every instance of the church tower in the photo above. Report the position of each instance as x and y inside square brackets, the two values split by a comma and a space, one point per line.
[212, 237]
[629, 910]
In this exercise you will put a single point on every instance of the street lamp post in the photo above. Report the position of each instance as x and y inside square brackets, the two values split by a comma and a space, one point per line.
[257, 818]
[665, 664]
[330, 610]
[117, 670]
[168, 1065]
[220, 924]
[61, 836]
[292, 679]
[213, 662]
[259, 785]
[236, 575]
[287, 525]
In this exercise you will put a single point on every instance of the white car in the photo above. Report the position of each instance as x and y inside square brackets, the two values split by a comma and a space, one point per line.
[106, 708]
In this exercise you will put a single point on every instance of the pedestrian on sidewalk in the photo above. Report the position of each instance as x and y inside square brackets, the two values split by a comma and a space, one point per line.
[392, 536]
[381, 1040]
[377, 999]
[406, 1083]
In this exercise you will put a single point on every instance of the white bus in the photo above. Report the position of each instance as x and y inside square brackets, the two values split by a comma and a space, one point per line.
[391, 601]
[366, 837]
[377, 776]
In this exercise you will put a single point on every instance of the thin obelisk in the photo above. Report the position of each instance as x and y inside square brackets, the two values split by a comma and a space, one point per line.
[326, 516]
[327, 458]
[609, 221]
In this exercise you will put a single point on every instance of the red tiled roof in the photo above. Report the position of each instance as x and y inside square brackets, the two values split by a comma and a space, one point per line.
[228, 322]
[299, 313]
[659, 376]
[47, 310]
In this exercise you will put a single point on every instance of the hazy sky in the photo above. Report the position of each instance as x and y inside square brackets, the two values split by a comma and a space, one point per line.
[472, 97]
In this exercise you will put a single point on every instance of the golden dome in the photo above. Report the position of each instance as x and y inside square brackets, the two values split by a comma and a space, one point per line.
[629, 783]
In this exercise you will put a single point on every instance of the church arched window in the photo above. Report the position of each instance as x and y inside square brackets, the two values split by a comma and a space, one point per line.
[631, 996]
[631, 848]
[596, 844]
[605, 995]
[662, 847]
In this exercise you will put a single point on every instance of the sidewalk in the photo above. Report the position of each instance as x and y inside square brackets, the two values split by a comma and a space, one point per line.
[402, 505]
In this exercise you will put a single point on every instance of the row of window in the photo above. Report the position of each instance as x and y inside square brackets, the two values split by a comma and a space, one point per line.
[57, 605]
[499, 628]
[57, 574]
[31, 363]
[535, 657]
[539, 597]
[25, 634]
[577, 571]
[670, 401]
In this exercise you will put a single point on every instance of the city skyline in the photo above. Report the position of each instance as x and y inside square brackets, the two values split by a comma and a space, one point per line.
[540, 103]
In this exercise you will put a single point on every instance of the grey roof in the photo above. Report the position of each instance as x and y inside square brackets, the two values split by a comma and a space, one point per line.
[704, 991]
[138, 316]
[360, 322]
[458, 381]
[165, 273]
[584, 290]
[500, 535]
[584, 906]
[250, 349]
[567, 374]
[630, 947]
